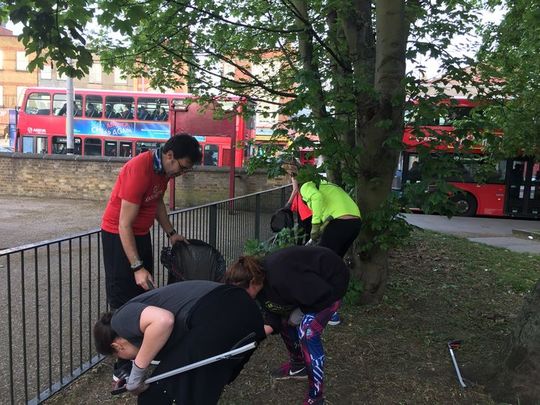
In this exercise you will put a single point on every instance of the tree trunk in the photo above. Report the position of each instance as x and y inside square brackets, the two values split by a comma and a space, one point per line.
[517, 379]
[373, 272]
[371, 265]
[378, 160]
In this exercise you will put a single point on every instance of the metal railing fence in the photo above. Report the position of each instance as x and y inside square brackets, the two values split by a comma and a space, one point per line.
[52, 292]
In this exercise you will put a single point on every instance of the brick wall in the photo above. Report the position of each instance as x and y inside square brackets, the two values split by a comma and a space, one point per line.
[92, 178]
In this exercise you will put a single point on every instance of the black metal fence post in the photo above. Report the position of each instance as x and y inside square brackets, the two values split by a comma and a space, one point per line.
[212, 225]
[257, 217]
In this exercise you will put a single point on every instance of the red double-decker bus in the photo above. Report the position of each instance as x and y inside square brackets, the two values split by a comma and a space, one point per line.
[511, 187]
[125, 123]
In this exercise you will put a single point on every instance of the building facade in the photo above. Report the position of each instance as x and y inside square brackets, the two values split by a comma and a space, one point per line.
[97, 78]
[14, 77]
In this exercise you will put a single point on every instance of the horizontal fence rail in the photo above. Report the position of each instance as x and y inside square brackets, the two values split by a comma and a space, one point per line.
[52, 292]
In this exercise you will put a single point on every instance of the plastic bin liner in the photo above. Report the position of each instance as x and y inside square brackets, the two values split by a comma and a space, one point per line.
[282, 218]
[196, 261]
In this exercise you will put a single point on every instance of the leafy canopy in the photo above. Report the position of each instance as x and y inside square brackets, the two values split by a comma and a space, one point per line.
[335, 68]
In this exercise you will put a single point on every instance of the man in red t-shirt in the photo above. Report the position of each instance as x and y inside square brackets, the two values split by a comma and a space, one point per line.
[136, 200]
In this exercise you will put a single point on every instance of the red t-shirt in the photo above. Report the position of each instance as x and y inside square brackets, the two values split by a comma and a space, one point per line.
[139, 184]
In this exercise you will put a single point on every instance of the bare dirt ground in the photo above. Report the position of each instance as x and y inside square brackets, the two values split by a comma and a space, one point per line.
[440, 288]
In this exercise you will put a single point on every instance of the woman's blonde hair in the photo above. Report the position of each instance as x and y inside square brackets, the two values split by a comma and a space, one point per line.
[243, 271]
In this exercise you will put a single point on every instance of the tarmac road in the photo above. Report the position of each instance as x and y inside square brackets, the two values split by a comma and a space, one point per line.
[490, 231]
[56, 297]
[28, 220]
[25, 220]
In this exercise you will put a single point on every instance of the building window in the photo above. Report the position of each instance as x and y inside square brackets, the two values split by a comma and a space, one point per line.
[118, 79]
[1, 59]
[22, 62]
[46, 72]
[61, 76]
[1, 96]
[94, 76]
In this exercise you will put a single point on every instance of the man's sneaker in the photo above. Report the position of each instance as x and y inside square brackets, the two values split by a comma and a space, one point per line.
[314, 401]
[335, 319]
[122, 369]
[290, 370]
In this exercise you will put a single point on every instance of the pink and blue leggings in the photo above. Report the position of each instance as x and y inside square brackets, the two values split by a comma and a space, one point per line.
[305, 345]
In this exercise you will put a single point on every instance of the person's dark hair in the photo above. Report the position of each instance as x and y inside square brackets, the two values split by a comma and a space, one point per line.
[184, 145]
[243, 271]
[104, 334]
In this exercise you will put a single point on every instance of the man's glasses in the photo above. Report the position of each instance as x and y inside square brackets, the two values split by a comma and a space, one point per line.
[183, 169]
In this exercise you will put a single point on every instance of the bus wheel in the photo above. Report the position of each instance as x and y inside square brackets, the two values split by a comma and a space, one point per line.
[466, 204]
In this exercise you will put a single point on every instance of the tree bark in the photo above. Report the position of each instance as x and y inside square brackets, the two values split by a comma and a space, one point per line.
[378, 160]
[518, 378]
[373, 274]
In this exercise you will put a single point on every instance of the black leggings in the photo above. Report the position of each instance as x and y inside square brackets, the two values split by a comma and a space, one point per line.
[220, 320]
[340, 234]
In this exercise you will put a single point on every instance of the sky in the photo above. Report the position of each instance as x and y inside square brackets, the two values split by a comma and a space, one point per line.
[462, 42]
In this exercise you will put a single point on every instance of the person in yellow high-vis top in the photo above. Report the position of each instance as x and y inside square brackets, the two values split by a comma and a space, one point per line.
[336, 218]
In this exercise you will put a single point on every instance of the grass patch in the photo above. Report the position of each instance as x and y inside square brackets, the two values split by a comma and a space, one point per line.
[517, 272]
[441, 287]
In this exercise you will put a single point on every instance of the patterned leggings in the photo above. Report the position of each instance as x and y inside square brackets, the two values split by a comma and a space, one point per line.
[305, 345]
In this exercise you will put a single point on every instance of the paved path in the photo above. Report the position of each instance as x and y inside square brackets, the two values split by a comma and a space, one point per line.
[491, 231]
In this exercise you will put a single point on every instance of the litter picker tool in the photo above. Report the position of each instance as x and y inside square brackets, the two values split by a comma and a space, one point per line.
[223, 356]
[454, 345]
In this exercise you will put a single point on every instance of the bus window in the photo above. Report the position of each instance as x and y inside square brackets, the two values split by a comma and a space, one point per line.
[413, 169]
[453, 114]
[94, 106]
[38, 104]
[119, 107]
[59, 145]
[60, 106]
[141, 147]
[210, 155]
[152, 109]
[111, 148]
[92, 147]
[28, 144]
[41, 145]
[125, 149]
[181, 104]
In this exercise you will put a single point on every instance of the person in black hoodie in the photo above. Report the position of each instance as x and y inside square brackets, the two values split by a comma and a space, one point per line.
[298, 288]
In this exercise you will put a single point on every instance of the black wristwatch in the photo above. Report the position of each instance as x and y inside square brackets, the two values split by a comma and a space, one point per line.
[137, 265]
[171, 233]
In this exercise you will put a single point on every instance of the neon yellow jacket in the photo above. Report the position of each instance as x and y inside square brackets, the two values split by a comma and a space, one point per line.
[329, 200]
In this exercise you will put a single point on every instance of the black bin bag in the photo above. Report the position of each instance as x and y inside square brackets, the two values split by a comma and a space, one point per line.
[282, 218]
[196, 261]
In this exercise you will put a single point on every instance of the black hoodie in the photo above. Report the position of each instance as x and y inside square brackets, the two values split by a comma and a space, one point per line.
[309, 278]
